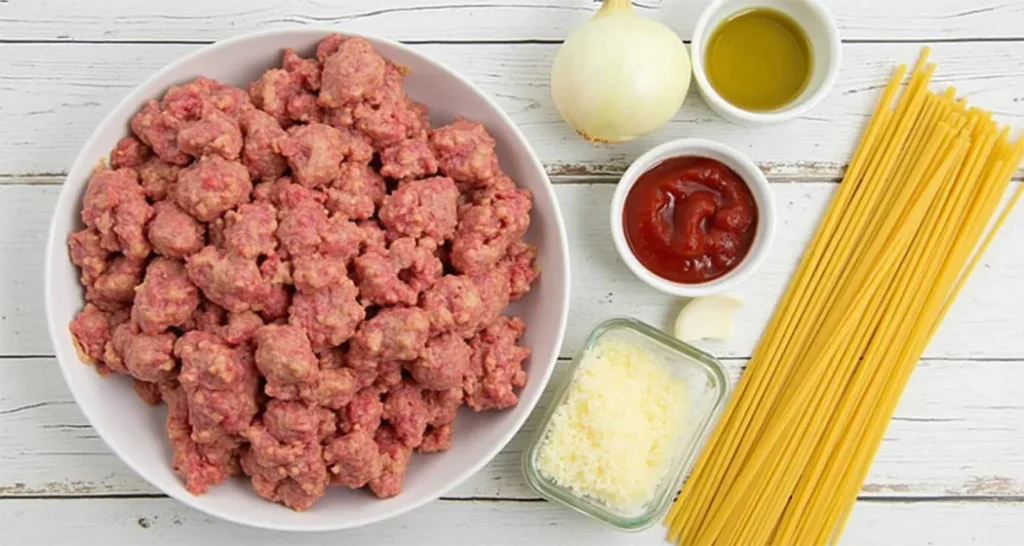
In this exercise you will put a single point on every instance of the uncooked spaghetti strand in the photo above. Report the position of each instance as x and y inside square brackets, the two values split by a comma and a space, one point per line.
[897, 179]
[878, 309]
[883, 242]
[746, 379]
[910, 108]
[880, 247]
[912, 113]
[812, 423]
[844, 187]
[819, 388]
[724, 508]
[989, 237]
[796, 510]
[819, 528]
[695, 535]
[961, 188]
[872, 365]
[764, 488]
[763, 528]
[818, 296]
[905, 192]
[988, 203]
[868, 448]
[855, 475]
[845, 252]
[877, 125]
[836, 325]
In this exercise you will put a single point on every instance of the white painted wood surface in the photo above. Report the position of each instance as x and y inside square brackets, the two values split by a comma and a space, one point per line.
[951, 470]
[452, 20]
[446, 522]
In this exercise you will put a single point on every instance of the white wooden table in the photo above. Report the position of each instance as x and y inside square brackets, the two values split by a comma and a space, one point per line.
[951, 470]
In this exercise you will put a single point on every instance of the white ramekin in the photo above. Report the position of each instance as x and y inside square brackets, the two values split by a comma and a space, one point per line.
[736, 161]
[821, 29]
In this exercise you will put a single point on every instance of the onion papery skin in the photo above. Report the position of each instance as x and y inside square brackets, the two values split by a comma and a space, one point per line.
[619, 76]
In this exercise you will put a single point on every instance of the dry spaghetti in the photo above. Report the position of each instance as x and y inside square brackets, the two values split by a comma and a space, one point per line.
[906, 228]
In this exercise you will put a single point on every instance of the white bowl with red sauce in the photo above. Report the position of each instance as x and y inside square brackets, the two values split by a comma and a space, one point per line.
[693, 217]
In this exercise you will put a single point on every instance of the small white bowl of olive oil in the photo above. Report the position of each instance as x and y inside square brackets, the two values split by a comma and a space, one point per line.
[765, 61]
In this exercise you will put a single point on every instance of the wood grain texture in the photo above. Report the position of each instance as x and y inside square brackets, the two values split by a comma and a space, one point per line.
[24, 222]
[162, 521]
[984, 323]
[955, 433]
[488, 20]
[56, 94]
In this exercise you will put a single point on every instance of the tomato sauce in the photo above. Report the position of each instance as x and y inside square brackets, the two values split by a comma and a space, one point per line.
[690, 219]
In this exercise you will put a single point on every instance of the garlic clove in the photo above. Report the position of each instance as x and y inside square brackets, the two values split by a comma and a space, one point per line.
[708, 317]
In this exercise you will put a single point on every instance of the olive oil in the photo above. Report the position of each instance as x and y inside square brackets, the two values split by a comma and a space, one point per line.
[759, 59]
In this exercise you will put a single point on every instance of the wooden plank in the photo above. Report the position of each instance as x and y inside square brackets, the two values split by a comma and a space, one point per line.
[495, 20]
[985, 322]
[164, 521]
[24, 223]
[55, 94]
[958, 431]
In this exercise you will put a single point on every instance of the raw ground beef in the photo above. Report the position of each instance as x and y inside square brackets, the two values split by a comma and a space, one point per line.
[422, 208]
[309, 275]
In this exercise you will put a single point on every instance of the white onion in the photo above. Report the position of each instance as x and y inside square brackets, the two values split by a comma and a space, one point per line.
[619, 76]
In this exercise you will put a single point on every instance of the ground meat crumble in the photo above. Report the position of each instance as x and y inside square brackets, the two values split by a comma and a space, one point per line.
[308, 274]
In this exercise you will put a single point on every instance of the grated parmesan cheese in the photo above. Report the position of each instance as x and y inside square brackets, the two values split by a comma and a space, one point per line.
[614, 437]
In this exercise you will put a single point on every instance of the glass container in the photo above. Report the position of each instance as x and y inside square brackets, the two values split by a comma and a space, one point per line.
[707, 388]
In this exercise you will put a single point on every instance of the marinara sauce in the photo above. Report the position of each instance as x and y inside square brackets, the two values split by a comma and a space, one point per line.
[690, 219]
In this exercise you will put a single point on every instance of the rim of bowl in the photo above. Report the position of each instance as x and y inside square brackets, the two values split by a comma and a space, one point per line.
[56, 331]
[748, 172]
[787, 113]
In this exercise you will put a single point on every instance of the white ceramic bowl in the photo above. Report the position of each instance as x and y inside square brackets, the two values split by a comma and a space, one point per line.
[733, 159]
[821, 29]
[136, 432]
